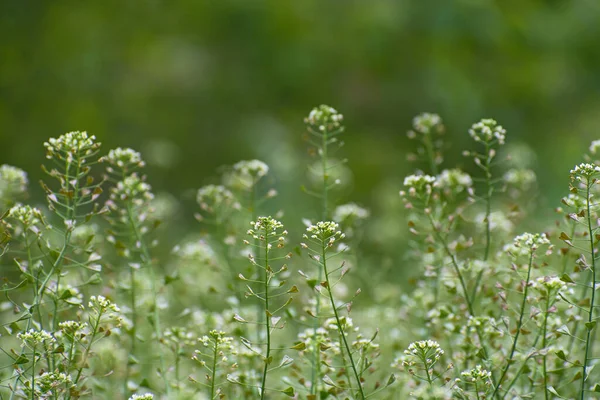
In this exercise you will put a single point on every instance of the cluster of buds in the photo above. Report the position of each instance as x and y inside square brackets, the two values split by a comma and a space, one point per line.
[488, 131]
[13, 183]
[72, 146]
[324, 232]
[324, 119]
[426, 124]
[125, 160]
[527, 244]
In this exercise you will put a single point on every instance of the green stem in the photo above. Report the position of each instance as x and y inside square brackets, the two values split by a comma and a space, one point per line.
[267, 319]
[544, 367]
[33, 375]
[214, 369]
[488, 212]
[588, 341]
[316, 361]
[519, 325]
[338, 322]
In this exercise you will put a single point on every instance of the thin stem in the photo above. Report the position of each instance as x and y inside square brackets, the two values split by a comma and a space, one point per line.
[545, 371]
[33, 375]
[519, 325]
[488, 212]
[338, 322]
[588, 341]
[316, 361]
[268, 320]
[214, 369]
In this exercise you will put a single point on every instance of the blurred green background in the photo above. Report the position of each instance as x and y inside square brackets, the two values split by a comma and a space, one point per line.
[198, 84]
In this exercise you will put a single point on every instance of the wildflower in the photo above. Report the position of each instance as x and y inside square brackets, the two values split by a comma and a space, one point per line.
[266, 225]
[350, 211]
[28, 219]
[487, 131]
[454, 180]
[211, 197]
[13, 182]
[70, 146]
[425, 124]
[325, 232]
[32, 338]
[418, 181]
[71, 328]
[147, 396]
[102, 304]
[498, 221]
[324, 119]
[428, 349]
[132, 188]
[522, 178]
[124, 159]
[595, 146]
[584, 170]
[418, 185]
[526, 244]
[574, 201]
[196, 251]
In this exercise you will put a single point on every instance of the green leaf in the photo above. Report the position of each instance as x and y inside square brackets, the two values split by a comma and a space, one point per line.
[566, 278]
[391, 380]
[289, 392]
[561, 354]
[21, 360]
[590, 325]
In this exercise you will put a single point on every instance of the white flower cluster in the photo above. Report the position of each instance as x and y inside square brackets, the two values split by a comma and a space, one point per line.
[454, 180]
[196, 251]
[487, 131]
[350, 211]
[216, 339]
[132, 188]
[49, 381]
[13, 181]
[425, 124]
[71, 328]
[214, 196]
[29, 217]
[324, 231]
[324, 119]
[123, 158]
[147, 396]
[33, 338]
[253, 168]
[574, 201]
[522, 178]
[417, 185]
[179, 335]
[428, 348]
[102, 304]
[477, 375]
[584, 170]
[267, 226]
[550, 283]
[70, 145]
[498, 221]
[418, 181]
[526, 244]
[595, 146]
